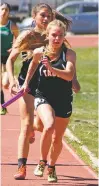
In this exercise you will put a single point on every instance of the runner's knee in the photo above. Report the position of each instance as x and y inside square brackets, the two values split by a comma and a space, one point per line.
[49, 126]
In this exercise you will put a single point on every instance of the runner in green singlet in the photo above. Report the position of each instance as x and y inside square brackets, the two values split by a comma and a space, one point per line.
[8, 32]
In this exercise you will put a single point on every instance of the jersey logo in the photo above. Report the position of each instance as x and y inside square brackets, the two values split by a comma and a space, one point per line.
[38, 101]
[4, 32]
[69, 112]
[46, 72]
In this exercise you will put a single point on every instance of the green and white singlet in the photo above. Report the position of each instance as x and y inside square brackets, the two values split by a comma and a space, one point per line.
[6, 38]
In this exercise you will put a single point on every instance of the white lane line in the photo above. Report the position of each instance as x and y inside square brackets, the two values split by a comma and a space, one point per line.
[78, 159]
[92, 157]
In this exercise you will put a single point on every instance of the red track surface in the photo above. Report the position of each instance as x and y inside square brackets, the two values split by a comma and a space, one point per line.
[70, 169]
[83, 41]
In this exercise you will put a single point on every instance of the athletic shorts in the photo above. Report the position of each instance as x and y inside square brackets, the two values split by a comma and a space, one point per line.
[32, 84]
[61, 110]
[4, 59]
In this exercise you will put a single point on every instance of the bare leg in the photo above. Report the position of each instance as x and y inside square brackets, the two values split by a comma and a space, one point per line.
[26, 107]
[38, 125]
[56, 146]
[3, 111]
[47, 116]
[5, 79]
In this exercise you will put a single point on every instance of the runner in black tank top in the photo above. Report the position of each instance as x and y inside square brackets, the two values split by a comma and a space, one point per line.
[53, 99]
[42, 14]
[53, 90]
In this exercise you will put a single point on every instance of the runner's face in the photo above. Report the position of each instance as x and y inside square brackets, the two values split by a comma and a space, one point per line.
[42, 18]
[56, 37]
[4, 11]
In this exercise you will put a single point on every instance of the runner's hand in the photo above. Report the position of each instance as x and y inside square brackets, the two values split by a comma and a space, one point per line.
[24, 88]
[46, 63]
[75, 86]
[14, 87]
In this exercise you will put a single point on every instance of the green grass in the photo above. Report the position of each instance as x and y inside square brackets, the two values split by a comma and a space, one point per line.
[81, 153]
[84, 120]
[18, 65]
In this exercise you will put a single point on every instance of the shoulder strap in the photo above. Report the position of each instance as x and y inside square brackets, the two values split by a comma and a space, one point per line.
[64, 48]
[63, 53]
[8, 24]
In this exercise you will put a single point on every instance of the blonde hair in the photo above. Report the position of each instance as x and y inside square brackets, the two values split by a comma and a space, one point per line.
[28, 40]
[61, 25]
[58, 23]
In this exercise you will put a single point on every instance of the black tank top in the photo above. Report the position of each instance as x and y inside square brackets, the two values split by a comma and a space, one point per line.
[50, 85]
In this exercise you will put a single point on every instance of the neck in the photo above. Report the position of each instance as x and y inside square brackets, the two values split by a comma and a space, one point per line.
[39, 30]
[54, 50]
[3, 22]
[53, 53]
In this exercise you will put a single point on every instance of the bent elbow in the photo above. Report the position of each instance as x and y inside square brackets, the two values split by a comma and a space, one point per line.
[76, 90]
[70, 77]
[70, 73]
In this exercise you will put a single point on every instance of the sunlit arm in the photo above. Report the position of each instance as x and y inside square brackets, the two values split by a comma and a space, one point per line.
[33, 65]
[68, 72]
[10, 63]
[75, 83]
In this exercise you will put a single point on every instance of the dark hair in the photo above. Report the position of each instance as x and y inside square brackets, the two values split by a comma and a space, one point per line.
[39, 6]
[65, 20]
[8, 6]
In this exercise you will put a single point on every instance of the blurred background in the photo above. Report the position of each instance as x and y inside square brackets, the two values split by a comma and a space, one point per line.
[83, 13]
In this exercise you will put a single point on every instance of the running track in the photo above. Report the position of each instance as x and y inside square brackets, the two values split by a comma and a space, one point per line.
[70, 169]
